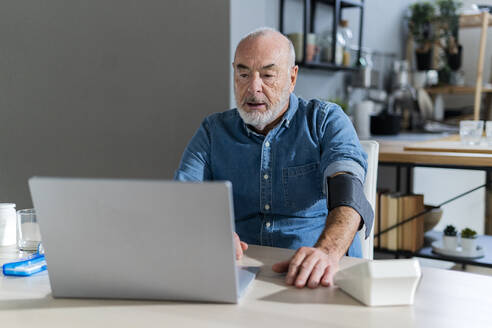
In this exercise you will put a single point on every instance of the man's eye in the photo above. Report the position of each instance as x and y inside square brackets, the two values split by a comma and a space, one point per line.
[243, 75]
[268, 76]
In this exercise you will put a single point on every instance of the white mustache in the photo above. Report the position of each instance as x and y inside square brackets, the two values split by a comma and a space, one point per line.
[255, 100]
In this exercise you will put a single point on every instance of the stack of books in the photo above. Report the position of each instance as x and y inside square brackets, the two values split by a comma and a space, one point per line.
[393, 208]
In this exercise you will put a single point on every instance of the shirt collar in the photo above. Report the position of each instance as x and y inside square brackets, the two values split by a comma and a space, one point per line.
[287, 118]
[250, 131]
[289, 114]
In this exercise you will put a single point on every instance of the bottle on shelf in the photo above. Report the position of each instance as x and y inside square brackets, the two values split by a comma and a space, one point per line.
[347, 36]
[339, 50]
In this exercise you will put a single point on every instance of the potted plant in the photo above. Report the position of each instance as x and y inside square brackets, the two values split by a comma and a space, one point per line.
[421, 27]
[468, 240]
[450, 238]
[448, 21]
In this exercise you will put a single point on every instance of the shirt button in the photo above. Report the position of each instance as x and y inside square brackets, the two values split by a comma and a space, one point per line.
[268, 224]
[267, 207]
[267, 144]
[265, 177]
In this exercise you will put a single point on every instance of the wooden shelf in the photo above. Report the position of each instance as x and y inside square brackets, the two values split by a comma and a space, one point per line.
[454, 89]
[480, 21]
[474, 20]
[308, 26]
[326, 66]
[344, 3]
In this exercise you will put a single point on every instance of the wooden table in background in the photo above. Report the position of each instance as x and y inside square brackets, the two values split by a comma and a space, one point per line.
[393, 153]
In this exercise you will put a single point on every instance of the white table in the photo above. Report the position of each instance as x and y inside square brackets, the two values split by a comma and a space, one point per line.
[444, 299]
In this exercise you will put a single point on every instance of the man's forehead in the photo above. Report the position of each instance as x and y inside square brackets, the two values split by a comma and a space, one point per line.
[262, 52]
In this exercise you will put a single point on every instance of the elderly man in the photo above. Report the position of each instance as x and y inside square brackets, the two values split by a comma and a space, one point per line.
[296, 166]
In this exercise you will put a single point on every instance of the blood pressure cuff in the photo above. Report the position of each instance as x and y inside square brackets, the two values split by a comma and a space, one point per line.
[347, 190]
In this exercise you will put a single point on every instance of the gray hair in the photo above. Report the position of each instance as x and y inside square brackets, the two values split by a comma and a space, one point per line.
[268, 30]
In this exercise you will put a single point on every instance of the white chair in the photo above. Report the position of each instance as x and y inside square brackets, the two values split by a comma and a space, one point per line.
[372, 149]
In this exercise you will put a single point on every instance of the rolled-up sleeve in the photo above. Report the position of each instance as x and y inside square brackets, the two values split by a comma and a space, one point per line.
[340, 146]
[341, 150]
[195, 162]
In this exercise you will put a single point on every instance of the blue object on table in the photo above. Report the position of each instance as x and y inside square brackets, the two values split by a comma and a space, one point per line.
[26, 267]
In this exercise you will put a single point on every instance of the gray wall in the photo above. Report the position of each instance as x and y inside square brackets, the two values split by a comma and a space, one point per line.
[106, 88]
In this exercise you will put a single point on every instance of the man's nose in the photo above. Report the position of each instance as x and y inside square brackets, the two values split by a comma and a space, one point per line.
[255, 84]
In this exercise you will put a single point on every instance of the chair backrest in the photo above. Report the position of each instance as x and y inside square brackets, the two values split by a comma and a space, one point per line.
[372, 149]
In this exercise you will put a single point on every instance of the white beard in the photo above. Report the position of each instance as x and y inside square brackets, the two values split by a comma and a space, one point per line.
[260, 120]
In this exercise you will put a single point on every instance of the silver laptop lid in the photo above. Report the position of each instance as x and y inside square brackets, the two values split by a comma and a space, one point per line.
[111, 238]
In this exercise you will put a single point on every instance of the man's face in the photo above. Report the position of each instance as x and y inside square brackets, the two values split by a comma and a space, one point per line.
[263, 79]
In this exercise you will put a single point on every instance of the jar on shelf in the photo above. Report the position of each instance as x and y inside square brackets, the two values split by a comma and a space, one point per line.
[326, 44]
[297, 40]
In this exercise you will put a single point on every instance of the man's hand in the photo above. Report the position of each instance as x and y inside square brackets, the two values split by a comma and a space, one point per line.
[240, 246]
[315, 265]
[309, 266]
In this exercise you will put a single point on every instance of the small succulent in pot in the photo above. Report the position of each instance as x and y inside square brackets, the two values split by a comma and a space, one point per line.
[468, 233]
[450, 239]
[450, 230]
[468, 240]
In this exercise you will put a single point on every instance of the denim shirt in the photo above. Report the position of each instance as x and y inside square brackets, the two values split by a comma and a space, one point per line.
[278, 179]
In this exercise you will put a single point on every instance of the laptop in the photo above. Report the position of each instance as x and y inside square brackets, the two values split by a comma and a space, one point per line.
[139, 239]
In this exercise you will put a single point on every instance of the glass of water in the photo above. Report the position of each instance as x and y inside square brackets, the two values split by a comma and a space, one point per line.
[488, 132]
[471, 132]
[28, 235]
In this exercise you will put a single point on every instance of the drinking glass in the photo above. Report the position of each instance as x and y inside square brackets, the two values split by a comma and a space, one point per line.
[471, 132]
[28, 235]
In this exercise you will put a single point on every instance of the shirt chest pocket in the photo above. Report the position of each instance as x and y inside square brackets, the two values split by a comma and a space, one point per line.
[302, 186]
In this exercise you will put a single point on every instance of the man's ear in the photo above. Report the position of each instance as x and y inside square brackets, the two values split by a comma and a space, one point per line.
[293, 77]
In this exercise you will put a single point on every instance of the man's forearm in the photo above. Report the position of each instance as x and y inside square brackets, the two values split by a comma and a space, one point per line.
[342, 224]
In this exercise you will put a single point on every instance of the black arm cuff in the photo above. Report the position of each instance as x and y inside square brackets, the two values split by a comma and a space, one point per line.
[347, 190]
